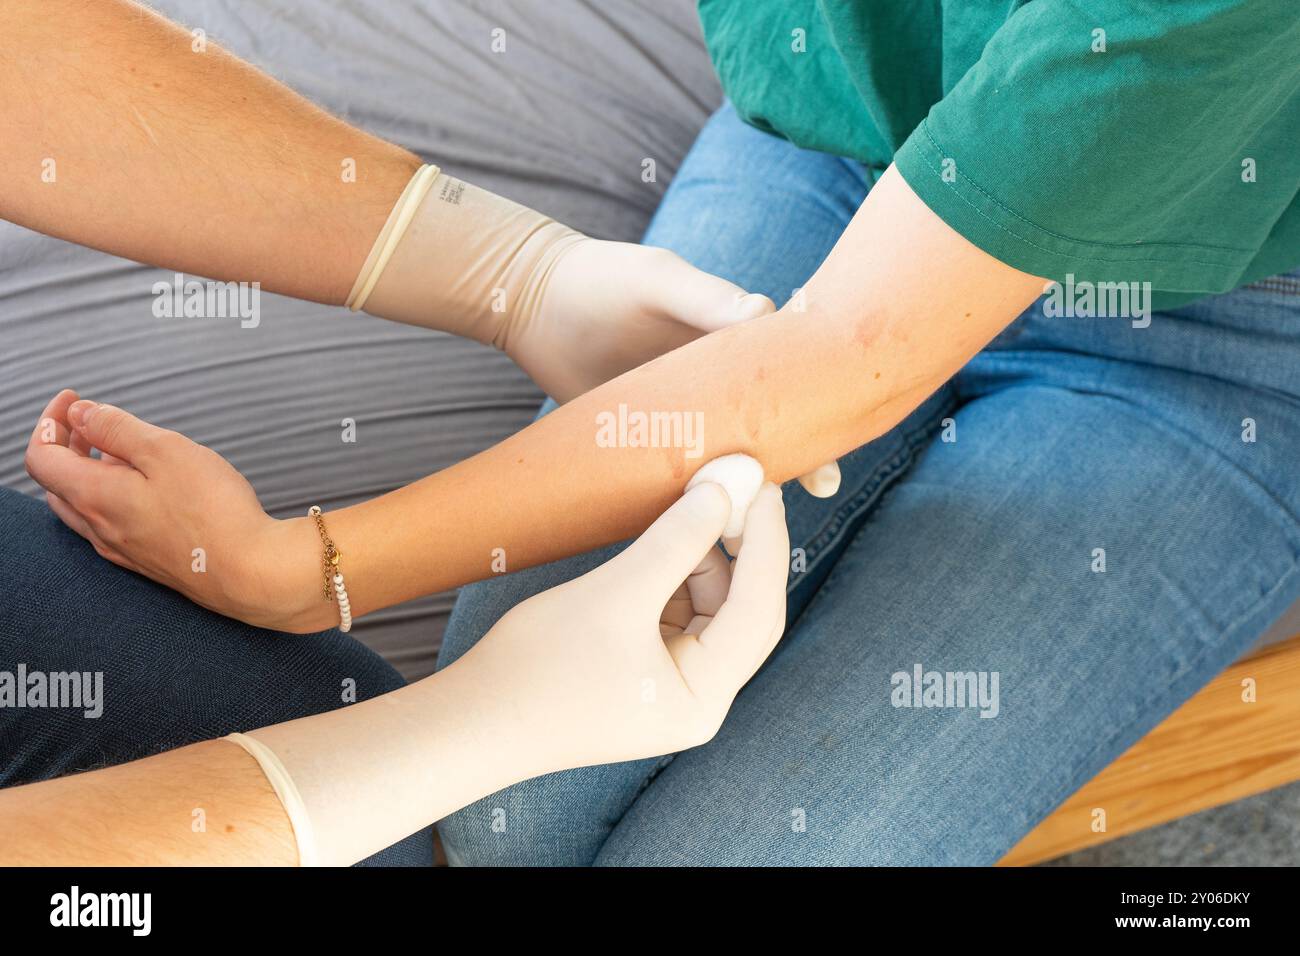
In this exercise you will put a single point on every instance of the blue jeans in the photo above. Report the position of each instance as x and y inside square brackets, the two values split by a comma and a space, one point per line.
[172, 672]
[1080, 512]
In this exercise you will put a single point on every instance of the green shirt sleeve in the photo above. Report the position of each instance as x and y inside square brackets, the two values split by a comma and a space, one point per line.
[1122, 141]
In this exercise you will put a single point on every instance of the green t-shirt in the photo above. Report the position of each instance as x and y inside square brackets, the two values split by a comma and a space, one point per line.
[1112, 140]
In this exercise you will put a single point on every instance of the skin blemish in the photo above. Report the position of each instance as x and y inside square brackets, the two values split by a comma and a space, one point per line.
[877, 375]
[674, 458]
[230, 828]
[752, 415]
[868, 331]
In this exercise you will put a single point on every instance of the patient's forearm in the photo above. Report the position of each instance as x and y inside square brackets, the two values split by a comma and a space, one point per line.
[897, 308]
[118, 134]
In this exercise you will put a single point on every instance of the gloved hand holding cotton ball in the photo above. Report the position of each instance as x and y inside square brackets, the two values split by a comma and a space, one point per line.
[572, 663]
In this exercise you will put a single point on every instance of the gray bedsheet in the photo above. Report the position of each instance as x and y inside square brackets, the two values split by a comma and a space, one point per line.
[585, 90]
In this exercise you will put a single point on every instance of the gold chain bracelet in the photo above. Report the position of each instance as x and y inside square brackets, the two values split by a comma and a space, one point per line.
[329, 562]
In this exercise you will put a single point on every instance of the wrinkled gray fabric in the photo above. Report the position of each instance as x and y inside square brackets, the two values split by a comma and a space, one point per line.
[561, 121]
[585, 91]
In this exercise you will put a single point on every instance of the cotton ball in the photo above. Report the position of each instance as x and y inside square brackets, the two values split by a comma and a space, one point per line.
[741, 477]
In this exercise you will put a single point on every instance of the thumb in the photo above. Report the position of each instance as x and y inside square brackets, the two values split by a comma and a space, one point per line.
[707, 302]
[112, 430]
[654, 566]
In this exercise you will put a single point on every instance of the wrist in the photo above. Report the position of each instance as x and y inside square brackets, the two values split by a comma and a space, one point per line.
[535, 271]
[460, 259]
[284, 572]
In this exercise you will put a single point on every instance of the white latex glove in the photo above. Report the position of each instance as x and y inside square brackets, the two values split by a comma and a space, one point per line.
[572, 311]
[641, 656]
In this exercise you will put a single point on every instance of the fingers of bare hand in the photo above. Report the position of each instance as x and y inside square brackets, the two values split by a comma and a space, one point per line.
[52, 425]
[90, 486]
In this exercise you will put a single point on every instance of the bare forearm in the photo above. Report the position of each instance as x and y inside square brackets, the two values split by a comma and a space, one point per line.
[121, 135]
[207, 804]
[898, 307]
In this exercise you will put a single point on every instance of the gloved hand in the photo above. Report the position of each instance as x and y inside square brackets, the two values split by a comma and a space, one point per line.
[641, 656]
[573, 312]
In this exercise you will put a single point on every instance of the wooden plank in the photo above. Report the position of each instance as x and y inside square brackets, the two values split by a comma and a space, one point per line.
[1216, 748]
